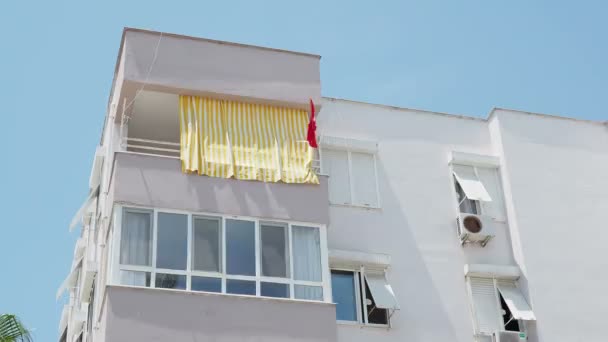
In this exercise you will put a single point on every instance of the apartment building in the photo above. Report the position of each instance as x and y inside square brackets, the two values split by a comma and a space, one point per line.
[211, 218]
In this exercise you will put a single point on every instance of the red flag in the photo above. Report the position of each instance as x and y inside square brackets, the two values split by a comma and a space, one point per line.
[312, 127]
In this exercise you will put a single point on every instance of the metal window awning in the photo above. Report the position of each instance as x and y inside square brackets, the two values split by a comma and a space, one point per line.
[87, 206]
[71, 280]
[470, 183]
[381, 291]
[520, 309]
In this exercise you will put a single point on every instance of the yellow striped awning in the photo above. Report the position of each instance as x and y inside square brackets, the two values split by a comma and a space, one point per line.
[223, 138]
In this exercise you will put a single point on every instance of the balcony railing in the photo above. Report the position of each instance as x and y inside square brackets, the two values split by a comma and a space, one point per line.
[171, 149]
[163, 148]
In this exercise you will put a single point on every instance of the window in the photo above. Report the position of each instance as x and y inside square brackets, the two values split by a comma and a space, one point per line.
[362, 297]
[498, 305]
[478, 191]
[344, 293]
[206, 244]
[182, 251]
[352, 177]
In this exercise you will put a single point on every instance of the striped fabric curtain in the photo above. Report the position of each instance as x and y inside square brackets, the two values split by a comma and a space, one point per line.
[223, 138]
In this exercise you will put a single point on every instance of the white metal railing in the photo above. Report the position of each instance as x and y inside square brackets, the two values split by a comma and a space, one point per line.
[171, 149]
[159, 147]
[316, 162]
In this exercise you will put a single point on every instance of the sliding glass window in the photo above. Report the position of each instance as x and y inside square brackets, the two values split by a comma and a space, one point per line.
[207, 253]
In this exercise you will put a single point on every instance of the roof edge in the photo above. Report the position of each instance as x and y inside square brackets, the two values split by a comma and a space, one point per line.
[468, 117]
[458, 116]
[222, 42]
[544, 115]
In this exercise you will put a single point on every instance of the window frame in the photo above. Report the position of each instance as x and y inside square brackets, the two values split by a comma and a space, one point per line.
[481, 211]
[360, 294]
[498, 314]
[258, 278]
[353, 198]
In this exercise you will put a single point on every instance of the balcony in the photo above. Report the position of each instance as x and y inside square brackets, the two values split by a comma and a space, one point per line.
[137, 314]
[158, 182]
[147, 172]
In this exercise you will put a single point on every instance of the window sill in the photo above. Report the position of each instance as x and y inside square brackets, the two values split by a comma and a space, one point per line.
[355, 206]
[362, 325]
[238, 296]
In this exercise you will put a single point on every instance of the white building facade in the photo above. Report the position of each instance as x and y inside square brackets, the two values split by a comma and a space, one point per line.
[423, 226]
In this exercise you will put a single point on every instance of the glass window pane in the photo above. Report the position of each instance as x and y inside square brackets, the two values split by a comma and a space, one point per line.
[136, 238]
[135, 278]
[343, 291]
[170, 281]
[274, 251]
[466, 205]
[206, 284]
[306, 253]
[491, 181]
[206, 244]
[240, 247]
[374, 315]
[172, 241]
[244, 287]
[308, 292]
[335, 164]
[274, 290]
[364, 179]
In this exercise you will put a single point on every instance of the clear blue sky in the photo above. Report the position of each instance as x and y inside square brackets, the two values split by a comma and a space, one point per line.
[461, 57]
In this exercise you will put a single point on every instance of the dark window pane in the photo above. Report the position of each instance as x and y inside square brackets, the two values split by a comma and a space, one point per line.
[510, 323]
[206, 245]
[172, 244]
[136, 239]
[244, 287]
[374, 315]
[275, 290]
[343, 291]
[240, 247]
[206, 284]
[274, 251]
[171, 281]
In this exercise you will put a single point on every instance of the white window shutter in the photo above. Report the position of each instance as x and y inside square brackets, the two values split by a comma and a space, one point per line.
[364, 179]
[335, 164]
[495, 208]
[485, 305]
[470, 183]
[519, 307]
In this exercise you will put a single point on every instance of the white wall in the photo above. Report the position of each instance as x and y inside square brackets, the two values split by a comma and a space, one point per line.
[557, 170]
[554, 174]
[416, 224]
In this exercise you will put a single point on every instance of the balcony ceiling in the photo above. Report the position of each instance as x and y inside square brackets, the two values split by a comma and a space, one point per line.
[155, 116]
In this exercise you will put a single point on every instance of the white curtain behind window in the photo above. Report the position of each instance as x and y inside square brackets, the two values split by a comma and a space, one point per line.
[136, 239]
[308, 292]
[134, 278]
[306, 253]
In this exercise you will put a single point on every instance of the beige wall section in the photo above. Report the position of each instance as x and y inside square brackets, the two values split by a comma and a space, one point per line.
[147, 315]
[198, 66]
[159, 182]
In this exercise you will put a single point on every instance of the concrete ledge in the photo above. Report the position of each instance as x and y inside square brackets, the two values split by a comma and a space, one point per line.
[141, 314]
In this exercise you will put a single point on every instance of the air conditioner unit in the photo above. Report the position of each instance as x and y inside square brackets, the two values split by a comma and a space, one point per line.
[475, 228]
[509, 336]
